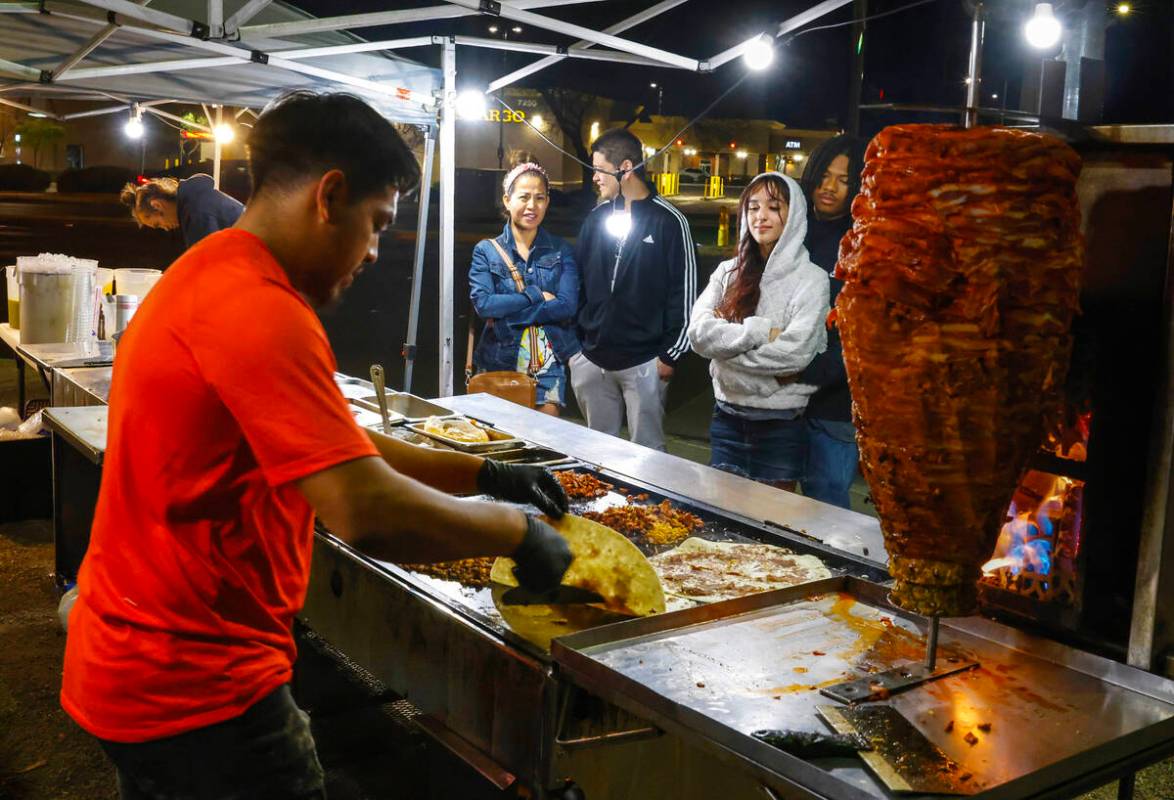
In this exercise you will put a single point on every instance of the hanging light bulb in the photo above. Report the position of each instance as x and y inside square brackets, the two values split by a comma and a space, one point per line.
[471, 104]
[759, 53]
[223, 133]
[134, 126]
[1043, 29]
[619, 223]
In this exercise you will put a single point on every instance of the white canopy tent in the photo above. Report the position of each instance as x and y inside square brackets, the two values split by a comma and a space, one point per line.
[245, 52]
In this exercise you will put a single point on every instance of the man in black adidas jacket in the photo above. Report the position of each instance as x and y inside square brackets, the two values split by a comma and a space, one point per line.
[635, 300]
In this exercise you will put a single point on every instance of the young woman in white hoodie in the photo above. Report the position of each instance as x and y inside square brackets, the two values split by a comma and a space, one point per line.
[760, 321]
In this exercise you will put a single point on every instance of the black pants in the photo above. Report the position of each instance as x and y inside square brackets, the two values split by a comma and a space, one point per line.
[267, 753]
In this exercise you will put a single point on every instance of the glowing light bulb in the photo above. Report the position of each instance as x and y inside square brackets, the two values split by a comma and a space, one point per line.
[133, 128]
[471, 104]
[759, 53]
[223, 133]
[619, 223]
[1123, 9]
[1043, 29]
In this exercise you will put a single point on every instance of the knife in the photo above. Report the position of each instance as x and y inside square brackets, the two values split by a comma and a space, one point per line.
[560, 596]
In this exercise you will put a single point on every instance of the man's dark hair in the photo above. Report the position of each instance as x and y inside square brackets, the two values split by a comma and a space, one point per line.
[619, 145]
[304, 134]
[825, 153]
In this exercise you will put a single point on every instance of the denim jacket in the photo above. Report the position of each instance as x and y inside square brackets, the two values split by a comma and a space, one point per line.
[507, 312]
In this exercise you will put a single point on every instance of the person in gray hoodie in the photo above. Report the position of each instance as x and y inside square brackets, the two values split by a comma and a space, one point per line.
[761, 321]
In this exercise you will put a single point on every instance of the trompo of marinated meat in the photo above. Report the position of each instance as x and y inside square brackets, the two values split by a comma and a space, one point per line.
[962, 274]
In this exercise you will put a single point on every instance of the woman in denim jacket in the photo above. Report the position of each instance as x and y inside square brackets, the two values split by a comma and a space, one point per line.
[546, 265]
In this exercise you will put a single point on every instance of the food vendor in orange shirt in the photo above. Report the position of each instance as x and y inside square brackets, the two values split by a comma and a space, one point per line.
[227, 435]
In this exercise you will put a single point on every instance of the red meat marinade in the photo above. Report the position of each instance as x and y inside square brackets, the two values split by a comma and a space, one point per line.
[962, 274]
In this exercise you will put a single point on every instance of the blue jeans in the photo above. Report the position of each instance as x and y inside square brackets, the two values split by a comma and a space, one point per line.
[832, 459]
[267, 753]
[765, 450]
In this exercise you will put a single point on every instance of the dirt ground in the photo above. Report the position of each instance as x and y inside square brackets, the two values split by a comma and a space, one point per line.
[43, 754]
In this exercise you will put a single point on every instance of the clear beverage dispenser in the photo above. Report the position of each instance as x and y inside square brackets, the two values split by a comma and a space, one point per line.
[58, 299]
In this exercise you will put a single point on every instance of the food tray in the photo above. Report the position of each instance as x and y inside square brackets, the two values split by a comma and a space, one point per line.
[402, 407]
[498, 440]
[535, 455]
[715, 673]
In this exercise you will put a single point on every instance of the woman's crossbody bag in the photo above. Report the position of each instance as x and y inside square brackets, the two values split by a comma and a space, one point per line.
[517, 387]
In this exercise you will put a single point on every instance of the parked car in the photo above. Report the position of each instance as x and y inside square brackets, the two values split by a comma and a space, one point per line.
[694, 175]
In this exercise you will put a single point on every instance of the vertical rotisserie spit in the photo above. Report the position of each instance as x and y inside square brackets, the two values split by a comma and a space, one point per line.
[961, 275]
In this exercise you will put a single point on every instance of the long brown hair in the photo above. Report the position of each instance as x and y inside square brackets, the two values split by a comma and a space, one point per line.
[741, 296]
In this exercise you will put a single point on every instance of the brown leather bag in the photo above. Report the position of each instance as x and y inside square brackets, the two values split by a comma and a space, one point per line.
[517, 387]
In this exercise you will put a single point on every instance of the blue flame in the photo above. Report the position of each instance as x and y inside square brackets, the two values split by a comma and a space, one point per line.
[1035, 556]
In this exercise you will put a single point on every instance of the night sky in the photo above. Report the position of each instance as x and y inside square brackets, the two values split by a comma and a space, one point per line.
[918, 56]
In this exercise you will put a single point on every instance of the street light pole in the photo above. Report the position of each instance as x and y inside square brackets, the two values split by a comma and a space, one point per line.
[977, 32]
[505, 35]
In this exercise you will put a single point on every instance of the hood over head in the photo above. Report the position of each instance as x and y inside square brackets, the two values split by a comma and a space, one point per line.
[789, 251]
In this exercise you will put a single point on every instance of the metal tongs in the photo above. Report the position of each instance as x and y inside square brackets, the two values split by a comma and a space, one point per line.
[381, 396]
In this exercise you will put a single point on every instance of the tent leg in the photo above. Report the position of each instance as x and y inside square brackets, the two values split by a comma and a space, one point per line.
[216, 147]
[447, 216]
[418, 264]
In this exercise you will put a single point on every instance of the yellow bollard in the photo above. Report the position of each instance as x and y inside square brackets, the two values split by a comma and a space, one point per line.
[723, 226]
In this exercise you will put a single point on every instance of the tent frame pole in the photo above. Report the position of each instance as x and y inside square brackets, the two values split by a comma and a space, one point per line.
[425, 192]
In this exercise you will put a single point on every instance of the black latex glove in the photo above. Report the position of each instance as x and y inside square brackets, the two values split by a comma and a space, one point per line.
[520, 483]
[542, 557]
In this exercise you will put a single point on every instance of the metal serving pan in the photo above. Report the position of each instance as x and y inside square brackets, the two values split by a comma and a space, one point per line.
[1058, 718]
[402, 407]
[533, 454]
[498, 440]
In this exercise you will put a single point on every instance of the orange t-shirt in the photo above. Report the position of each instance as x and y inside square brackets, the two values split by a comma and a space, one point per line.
[223, 396]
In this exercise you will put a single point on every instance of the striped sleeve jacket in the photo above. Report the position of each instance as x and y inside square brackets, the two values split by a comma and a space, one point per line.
[637, 293]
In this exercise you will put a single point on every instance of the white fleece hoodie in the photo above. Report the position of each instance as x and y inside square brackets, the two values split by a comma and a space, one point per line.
[746, 366]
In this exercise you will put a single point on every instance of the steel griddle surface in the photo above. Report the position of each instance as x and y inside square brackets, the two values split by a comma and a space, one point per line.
[760, 665]
[478, 602]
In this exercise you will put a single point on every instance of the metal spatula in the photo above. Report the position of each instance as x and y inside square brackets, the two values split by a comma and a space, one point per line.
[901, 756]
[381, 396]
[561, 596]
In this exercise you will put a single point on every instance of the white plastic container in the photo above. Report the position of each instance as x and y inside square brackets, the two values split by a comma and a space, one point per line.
[58, 299]
[13, 297]
[136, 281]
[47, 302]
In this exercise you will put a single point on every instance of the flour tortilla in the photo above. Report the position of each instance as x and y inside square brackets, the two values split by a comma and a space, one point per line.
[708, 572]
[605, 562]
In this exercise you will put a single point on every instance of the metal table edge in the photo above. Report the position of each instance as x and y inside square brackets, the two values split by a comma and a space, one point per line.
[62, 427]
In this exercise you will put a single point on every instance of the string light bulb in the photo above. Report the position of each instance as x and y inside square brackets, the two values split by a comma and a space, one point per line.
[759, 53]
[1123, 9]
[619, 222]
[134, 126]
[1043, 30]
[471, 104]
